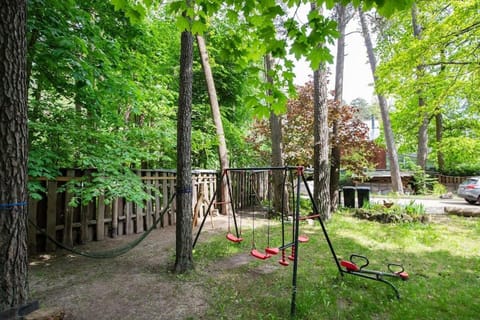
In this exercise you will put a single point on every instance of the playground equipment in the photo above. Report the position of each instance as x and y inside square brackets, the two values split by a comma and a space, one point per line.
[355, 266]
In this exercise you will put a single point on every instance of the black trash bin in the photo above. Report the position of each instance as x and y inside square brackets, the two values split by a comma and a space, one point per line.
[363, 194]
[349, 197]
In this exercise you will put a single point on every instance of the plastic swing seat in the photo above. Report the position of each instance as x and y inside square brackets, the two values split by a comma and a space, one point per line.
[272, 251]
[233, 238]
[303, 238]
[257, 254]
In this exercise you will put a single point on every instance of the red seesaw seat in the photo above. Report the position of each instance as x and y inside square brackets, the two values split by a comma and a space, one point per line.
[233, 238]
[350, 266]
[403, 275]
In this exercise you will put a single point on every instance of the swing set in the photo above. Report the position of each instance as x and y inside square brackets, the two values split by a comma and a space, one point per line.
[355, 266]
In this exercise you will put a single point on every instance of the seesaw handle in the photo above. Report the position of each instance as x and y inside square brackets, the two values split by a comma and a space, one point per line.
[360, 258]
[395, 268]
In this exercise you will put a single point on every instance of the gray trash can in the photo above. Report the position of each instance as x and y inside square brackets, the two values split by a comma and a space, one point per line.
[349, 197]
[363, 194]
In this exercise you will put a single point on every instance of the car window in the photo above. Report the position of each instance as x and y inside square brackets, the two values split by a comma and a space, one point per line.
[471, 181]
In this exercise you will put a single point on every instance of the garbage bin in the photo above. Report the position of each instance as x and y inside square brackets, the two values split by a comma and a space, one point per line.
[363, 194]
[349, 197]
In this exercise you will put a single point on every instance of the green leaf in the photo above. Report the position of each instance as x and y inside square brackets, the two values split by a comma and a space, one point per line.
[198, 27]
[182, 23]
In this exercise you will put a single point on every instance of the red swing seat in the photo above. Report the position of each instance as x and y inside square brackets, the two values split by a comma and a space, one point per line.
[257, 254]
[233, 238]
[303, 238]
[272, 251]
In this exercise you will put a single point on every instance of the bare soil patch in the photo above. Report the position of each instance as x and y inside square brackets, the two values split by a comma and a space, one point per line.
[136, 285]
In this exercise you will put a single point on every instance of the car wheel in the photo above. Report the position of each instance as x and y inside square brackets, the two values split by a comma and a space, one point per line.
[471, 201]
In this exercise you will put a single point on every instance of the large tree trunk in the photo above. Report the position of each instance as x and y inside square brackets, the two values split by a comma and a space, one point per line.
[277, 150]
[387, 126]
[321, 166]
[422, 151]
[340, 12]
[184, 258]
[13, 155]
[217, 119]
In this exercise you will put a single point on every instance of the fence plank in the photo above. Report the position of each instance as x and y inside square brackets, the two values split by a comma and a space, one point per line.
[164, 197]
[51, 217]
[128, 217]
[148, 207]
[139, 213]
[32, 231]
[100, 218]
[115, 217]
[157, 208]
[69, 210]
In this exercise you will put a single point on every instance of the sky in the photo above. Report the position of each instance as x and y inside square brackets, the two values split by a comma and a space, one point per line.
[358, 80]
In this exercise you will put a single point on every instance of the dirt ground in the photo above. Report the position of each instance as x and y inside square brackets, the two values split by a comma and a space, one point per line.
[136, 285]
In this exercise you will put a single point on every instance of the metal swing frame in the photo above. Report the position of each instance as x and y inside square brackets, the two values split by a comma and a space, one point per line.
[343, 266]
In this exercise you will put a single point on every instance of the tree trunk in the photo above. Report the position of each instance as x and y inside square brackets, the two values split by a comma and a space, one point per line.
[321, 166]
[277, 161]
[387, 126]
[340, 11]
[439, 137]
[183, 257]
[439, 129]
[422, 151]
[217, 119]
[13, 155]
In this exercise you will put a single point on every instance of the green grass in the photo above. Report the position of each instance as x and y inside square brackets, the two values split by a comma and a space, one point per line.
[442, 259]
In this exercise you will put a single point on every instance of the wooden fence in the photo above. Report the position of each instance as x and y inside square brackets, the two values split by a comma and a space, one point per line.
[451, 182]
[99, 219]
[248, 187]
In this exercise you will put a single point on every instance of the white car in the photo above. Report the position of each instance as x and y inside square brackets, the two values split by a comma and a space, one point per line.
[470, 190]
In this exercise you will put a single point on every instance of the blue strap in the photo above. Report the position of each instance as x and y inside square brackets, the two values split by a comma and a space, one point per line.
[12, 205]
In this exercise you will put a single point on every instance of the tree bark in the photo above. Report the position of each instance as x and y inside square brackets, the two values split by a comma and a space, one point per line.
[439, 137]
[321, 166]
[340, 12]
[422, 150]
[217, 119]
[387, 126]
[277, 149]
[13, 155]
[184, 257]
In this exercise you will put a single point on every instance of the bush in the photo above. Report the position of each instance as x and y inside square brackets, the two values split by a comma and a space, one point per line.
[412, 212]
[464, 169]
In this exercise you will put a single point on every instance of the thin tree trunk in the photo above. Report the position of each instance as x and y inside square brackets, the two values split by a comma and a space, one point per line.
[183, 257]
[439, 130]
[439, 137]
[321, 166]
[422, 151]
[217, 118]
[277, 149]
[387, 126]
[13, 155]
[339, 67]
